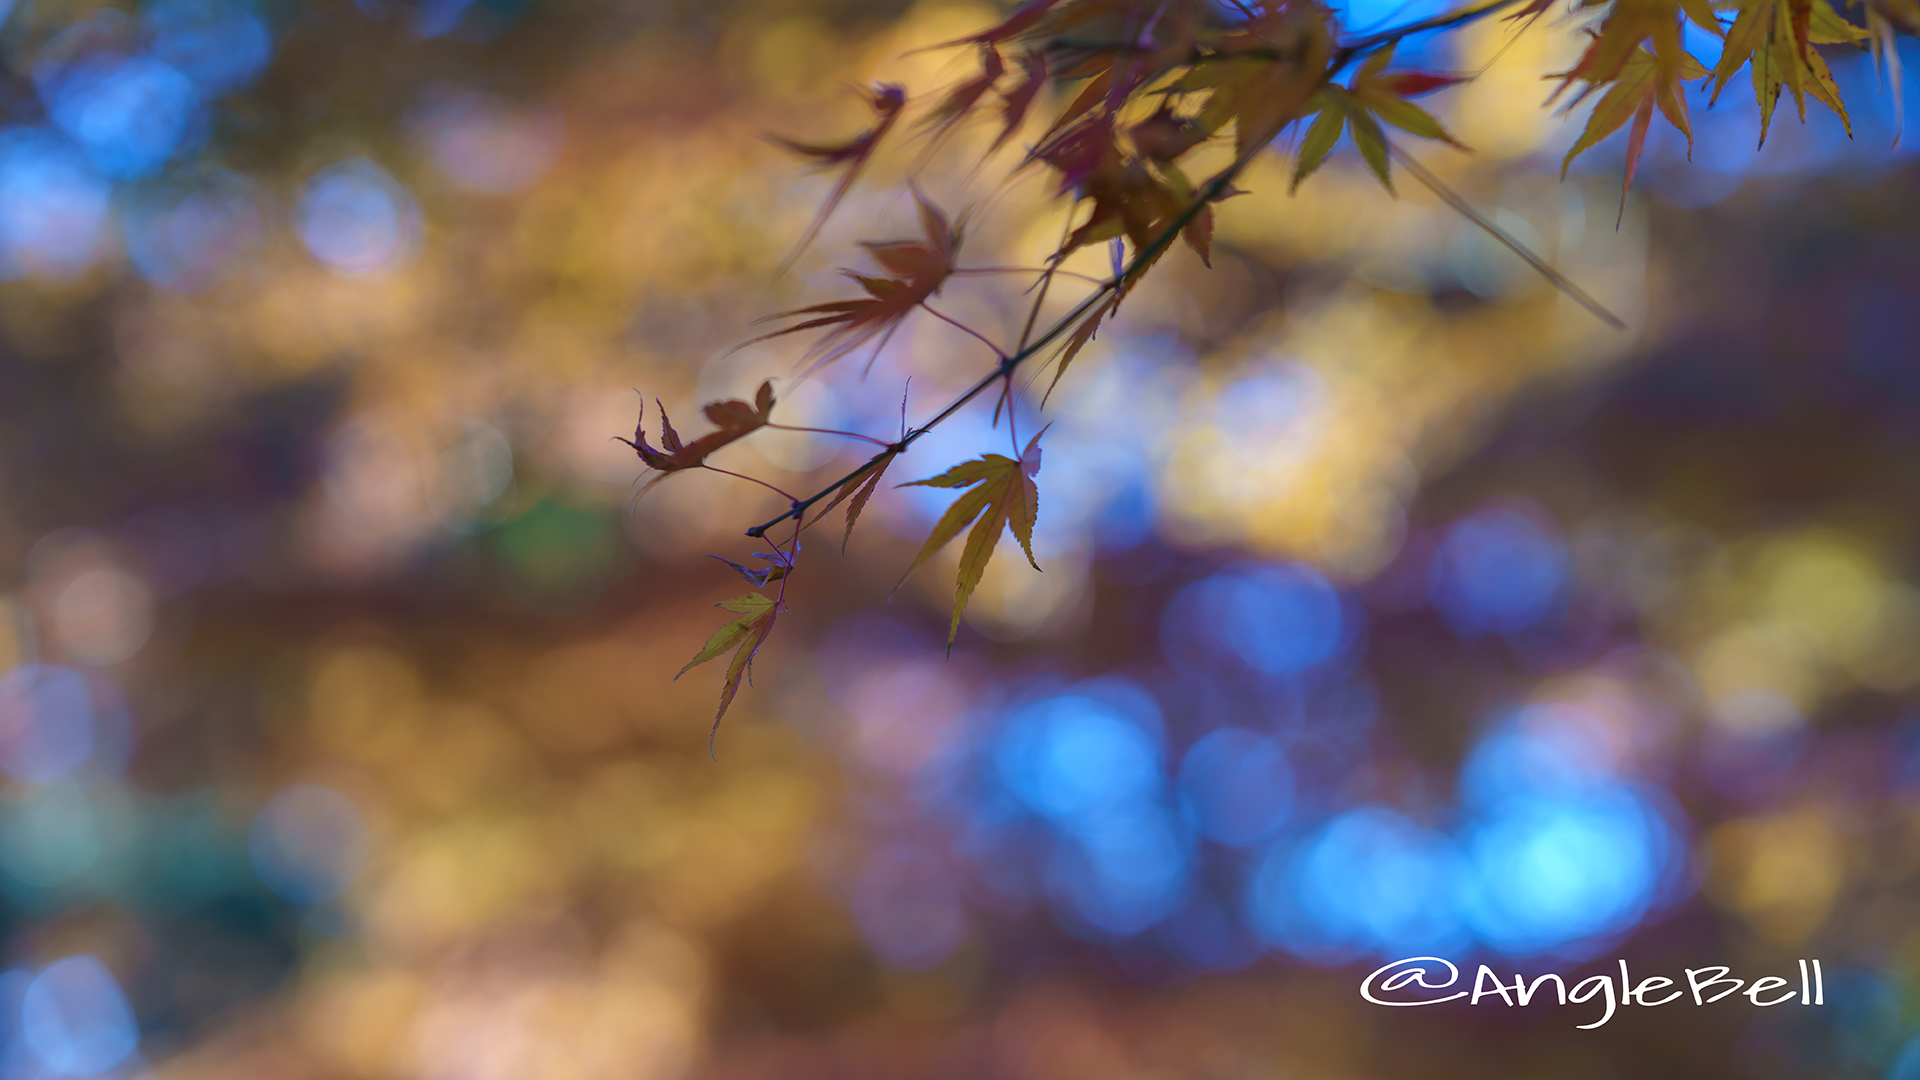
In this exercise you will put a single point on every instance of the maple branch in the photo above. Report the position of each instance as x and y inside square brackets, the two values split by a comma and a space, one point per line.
[1342, 56]
[1142, 258]
[1369, 42]
[1000, 370]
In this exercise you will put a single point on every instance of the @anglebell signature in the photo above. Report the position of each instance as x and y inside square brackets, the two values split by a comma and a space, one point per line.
[1410, 982]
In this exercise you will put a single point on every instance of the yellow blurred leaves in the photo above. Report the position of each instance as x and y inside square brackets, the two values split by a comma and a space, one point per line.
[1808, 614]
[1858, 615]
[16, 638]
[476, 832]
[1374, 387]
[697, 851]
[1781, 872]
[1758, 678]
[586, 696]
[1498, 113]
[448, 879]
[474, 755]
[359, 1022]
[364, 704]
[527, 1001]
[790, 58]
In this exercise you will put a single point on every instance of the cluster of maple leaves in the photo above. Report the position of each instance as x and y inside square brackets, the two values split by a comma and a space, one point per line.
[1144, 84]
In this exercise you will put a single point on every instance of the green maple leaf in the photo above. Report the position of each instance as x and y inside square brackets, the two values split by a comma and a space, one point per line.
[1374, 95]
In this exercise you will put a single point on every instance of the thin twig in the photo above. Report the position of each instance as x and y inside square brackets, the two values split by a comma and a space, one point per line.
[1452, 198]
[1369, 42]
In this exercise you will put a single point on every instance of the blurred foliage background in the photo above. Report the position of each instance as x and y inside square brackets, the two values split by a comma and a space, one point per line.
[1391, 603]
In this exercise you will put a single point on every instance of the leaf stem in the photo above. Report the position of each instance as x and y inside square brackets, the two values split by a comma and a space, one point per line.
[997, 351]
[1013, 431]
[1043, 271]
[1039, 301]
[793, 560]
[828, 431]
[752, 480]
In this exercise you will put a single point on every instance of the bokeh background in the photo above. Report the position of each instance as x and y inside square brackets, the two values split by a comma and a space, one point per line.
[1392, 604]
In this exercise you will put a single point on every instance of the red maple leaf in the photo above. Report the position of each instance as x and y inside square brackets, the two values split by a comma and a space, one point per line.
[916, 268]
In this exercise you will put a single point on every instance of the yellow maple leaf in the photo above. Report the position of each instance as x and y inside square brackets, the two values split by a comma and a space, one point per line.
[1640, 87]
[1776, 38]
[1002, 494]
[744, 635]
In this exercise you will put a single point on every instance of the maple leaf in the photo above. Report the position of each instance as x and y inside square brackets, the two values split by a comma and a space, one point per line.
[1265, 76]
[744, 635]
[1101, 90]
[1143, 33]
[859, 487]
[960, 101]
[1198, 231]
[1629, 25]
[1079, 338]
[1530, 13]
[918, 269]
[1124, 191]
[1076, 14]
[1165, 136]
[1374, 94]
[1640, 87]
[1776, 37]
[1023, 19]
[781, 564]
[887, 101]
[1132, 196]
[1904, 14]
[1883, 17]
[1015, 101]
[1002, 494]
[1136, 192]
[733, 420]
